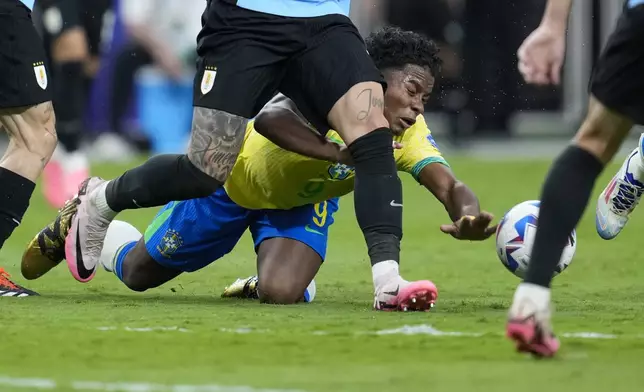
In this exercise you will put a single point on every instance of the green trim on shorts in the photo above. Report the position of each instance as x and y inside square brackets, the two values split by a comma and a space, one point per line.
[158, 221]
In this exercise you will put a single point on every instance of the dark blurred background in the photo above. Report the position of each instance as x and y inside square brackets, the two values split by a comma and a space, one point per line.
[140, 95]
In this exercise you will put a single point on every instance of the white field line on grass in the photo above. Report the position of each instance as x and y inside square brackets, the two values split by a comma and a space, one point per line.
[425, 329]
[144, 329]
[49, 384]
[36, 383]
[422, 329]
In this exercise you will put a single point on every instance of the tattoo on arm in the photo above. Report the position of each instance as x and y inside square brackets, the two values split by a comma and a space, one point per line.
[370, 102]
[215, 141]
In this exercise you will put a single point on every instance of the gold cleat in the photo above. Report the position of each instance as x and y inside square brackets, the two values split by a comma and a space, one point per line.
[47, 249]
[242, 288]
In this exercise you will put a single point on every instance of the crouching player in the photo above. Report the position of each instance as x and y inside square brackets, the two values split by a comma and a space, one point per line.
[288, 200]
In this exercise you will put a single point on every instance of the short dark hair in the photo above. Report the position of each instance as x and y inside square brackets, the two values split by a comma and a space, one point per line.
[393, 47]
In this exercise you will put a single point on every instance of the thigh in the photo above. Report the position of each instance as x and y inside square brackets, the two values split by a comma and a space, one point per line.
[334, 61]
[618, 77]
[24, 79]
[307, 224]
[189, 235]
[242, 58]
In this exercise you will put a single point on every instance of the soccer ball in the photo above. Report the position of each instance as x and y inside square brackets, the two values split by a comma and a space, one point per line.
[515, 236]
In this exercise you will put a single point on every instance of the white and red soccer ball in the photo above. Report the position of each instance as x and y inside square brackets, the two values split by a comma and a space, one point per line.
[515, 237]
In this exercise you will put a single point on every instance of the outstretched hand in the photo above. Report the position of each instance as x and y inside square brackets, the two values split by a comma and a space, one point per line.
[472, 228]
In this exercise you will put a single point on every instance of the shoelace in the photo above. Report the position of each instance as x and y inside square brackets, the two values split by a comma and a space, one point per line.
[5, 280]
[96, 231]
[627, 198]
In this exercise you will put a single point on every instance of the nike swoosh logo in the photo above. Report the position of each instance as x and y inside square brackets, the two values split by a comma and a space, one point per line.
[394, 204]
[311, 230]
[393, 293]
[83, 272]
[601, 218]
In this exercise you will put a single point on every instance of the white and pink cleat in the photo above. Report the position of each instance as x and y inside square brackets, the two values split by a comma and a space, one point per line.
[84, 241]
[400, 295]
[529, 324]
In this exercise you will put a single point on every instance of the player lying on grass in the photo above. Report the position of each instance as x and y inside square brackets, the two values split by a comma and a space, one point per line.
[288, 200]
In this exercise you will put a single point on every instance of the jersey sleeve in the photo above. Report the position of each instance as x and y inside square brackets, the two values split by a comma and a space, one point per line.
[419, 150]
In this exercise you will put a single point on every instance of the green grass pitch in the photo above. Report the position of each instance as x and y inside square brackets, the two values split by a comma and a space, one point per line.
[100, 331]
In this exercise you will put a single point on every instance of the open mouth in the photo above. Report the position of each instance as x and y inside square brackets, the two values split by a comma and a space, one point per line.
[407, 122]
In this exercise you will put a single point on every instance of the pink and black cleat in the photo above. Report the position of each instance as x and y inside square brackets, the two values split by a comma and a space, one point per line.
[530, 337]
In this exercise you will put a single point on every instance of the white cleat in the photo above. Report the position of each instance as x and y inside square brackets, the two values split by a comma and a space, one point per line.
[84, 242]
[401, 295]
[619, 199]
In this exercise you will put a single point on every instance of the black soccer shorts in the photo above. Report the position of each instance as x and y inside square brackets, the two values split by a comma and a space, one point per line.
[618, 77]
[24, 79]
[245, 57]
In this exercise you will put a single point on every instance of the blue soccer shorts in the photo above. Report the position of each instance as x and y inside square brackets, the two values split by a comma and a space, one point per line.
[189, 235]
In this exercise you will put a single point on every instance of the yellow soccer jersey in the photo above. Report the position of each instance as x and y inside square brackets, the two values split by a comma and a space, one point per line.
[268, 177]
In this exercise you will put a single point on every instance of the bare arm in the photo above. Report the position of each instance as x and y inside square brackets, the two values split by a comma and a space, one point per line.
[281, 122]
[458, 199]
[541, 55]
[556, 14]
[462, 205]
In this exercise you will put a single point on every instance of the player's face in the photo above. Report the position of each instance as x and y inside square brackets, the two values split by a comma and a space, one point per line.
[408, 89]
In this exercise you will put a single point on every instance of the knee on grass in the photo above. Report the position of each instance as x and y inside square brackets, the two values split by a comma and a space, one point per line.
[135, 279]
[138, 276]
[276, 291]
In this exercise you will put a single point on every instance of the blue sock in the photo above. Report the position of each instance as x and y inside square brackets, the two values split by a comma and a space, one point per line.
[120, 257]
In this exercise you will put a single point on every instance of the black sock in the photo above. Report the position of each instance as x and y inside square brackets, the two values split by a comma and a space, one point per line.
[160, 180]
[564, 197]
[69, 103]
[378, 194]
[15, 193]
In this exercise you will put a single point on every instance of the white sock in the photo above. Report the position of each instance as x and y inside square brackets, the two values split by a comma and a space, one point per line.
[383, 272]
[538, 294]
[119, 233]
[100, 200]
